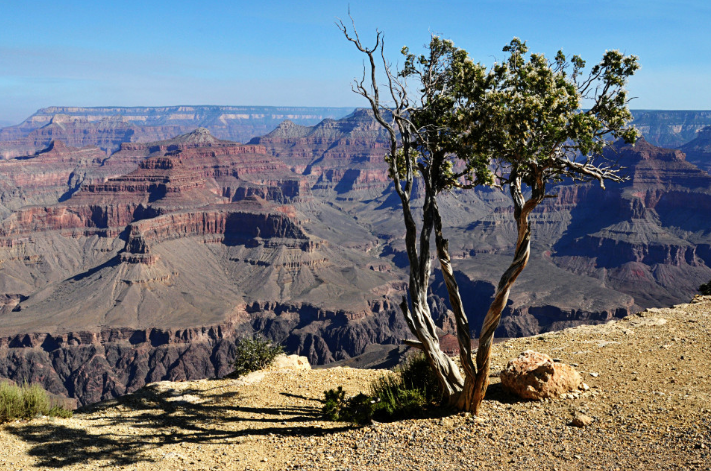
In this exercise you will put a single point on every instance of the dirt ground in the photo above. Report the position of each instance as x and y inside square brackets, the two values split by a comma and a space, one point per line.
[649, 398]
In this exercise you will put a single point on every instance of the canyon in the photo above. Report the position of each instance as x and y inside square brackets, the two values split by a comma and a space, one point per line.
[108, 127]
[126, 262]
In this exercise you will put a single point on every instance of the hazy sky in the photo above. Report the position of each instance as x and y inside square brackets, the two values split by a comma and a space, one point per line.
[89, 53]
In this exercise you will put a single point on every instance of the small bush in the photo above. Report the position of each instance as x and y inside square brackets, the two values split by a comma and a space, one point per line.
[358, 409]
[254, 354]
[26, 402]
[408, 393]
[706, 289]
[417, 374]
[334, 403]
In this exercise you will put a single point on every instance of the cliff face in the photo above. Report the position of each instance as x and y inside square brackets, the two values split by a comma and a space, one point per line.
[200, 232]
[669, 128]
[341, 156]
[107, 133]
[193, 171]
[93, 366]
[48, 176]
[698, 151]
[96, 365]
[648, 236]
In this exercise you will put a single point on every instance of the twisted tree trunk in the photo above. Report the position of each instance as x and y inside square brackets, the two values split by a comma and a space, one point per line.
[419, 320]
[522, 209]
[465, 396]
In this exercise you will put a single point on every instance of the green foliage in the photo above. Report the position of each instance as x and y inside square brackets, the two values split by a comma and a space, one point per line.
[399, 162]
[358, 409]
[442, 75]
[527, 111]
[254, 354]
[705, 289]
[393, 400]
[408, 393]
[417, 374]
[334, 403]
[26, 402]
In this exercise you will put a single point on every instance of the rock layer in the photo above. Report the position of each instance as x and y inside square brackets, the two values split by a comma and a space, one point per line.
[698, 151]
[342, 156]
[93, 366]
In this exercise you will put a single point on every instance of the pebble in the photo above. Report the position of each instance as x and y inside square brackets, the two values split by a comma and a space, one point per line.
[582, 420]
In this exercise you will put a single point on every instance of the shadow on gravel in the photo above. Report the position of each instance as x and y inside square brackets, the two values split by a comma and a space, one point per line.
[495, 392]
[162, 419]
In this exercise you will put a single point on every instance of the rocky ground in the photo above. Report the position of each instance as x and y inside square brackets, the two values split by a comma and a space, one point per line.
[649, 399]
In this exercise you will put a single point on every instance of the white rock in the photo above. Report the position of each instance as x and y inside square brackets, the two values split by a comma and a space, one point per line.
[250, 378]
[291, 362]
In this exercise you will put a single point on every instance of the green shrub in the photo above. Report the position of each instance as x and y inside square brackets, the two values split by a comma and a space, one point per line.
[408, 393]
[706, 289]
[334, 403]
[417, 374]
[358, 409]
[254, 354]
[26, 402]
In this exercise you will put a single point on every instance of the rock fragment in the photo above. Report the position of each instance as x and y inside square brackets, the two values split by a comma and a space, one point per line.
[290, 362]
[581, 420]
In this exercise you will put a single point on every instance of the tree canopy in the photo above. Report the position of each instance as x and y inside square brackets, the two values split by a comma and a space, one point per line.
[520, 124]
[525, 117]
[527, 111]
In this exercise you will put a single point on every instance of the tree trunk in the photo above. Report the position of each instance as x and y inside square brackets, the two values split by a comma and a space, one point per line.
[420, 319]
[522, 209]
[465, 396]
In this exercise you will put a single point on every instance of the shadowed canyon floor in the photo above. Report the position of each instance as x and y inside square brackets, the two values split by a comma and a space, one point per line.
[649, 398]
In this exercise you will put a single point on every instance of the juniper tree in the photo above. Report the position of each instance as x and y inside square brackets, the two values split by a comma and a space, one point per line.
[526, 115]
[522, 117]
[422, 129]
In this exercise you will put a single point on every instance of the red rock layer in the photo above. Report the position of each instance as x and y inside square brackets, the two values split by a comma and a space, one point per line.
[643, 231]
[191, 171]
[49, 175]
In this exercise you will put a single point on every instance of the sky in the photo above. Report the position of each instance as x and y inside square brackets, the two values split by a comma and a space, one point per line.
[290, 53]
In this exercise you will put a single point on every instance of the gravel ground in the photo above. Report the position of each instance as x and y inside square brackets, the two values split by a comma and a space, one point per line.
[649, 401]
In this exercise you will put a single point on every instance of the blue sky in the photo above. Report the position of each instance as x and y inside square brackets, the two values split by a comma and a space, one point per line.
[88, 53]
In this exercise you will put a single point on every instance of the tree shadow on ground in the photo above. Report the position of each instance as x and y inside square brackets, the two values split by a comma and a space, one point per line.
[496, 392]
[149, 419]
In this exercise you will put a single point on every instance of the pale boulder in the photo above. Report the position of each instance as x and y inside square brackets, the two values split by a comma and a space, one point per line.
[535, 375]
[290, 362]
